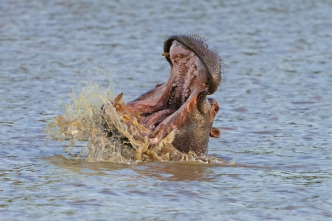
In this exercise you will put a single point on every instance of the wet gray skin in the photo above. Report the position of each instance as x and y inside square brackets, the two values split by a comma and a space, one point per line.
[181, 102]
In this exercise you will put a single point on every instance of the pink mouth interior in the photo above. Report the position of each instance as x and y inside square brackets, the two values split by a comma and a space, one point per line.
[168, 105]
[188, 76]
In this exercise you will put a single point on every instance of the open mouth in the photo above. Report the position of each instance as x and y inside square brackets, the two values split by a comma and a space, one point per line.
[195, 73]
[188, 76]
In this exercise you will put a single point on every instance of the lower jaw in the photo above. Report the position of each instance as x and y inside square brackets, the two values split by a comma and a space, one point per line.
[158, 117]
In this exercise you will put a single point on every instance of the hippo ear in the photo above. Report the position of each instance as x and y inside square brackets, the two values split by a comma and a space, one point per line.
[215, 132]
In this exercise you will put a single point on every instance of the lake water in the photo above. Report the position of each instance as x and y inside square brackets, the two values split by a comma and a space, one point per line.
[275, 117]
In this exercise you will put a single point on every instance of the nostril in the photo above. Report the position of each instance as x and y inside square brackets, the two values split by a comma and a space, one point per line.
[216, 108]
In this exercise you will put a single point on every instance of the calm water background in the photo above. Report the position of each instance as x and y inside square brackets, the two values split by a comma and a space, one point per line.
[275, 113]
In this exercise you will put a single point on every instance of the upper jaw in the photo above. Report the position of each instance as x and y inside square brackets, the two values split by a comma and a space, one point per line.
[187, 73]
[188, 78]
[209, 58]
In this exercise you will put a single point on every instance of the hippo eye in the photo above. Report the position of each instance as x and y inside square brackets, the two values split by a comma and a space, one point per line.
[216, 108]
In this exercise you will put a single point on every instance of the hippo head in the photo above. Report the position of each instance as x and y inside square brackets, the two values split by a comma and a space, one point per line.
[181, 104]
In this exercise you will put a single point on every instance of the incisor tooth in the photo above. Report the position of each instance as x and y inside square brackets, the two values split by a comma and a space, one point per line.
[166, 54]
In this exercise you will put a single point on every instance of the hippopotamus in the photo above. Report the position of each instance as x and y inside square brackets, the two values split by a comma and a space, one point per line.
[180, 104]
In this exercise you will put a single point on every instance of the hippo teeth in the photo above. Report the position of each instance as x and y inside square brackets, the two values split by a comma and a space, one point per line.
[187, 95]
[172, 94]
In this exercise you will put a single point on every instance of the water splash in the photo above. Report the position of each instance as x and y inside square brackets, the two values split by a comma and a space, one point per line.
[109, 133]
